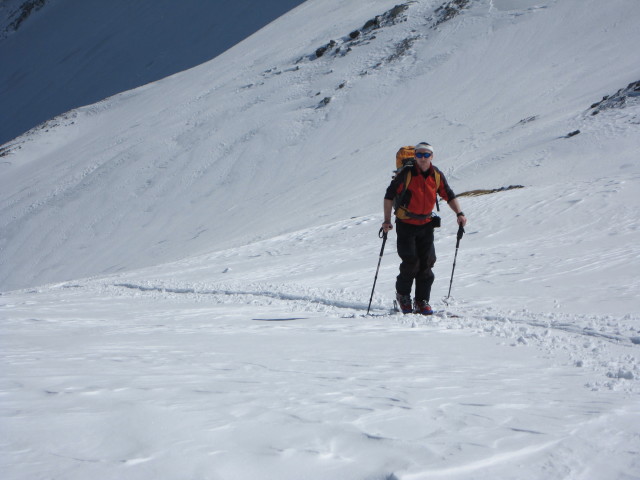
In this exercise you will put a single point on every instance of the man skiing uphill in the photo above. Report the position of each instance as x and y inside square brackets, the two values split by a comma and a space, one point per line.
[413, 193]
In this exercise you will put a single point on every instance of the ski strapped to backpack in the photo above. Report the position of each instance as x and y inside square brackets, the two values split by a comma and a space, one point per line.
[405, 160]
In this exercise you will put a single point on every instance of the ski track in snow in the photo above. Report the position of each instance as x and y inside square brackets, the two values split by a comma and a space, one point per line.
[585, 337]
[601, 326]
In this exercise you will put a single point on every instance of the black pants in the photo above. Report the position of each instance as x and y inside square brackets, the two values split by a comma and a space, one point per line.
[418, 255]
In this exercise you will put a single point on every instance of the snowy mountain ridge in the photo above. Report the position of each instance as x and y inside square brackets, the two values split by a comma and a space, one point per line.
[177, 162]
[59, 55]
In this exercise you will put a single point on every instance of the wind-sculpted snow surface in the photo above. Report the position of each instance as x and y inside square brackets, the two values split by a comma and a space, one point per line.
[260, 362]
[148, 375]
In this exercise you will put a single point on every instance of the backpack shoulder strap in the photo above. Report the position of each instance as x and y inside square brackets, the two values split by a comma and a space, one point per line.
[406, 181]
[403, 176]
[437, 177]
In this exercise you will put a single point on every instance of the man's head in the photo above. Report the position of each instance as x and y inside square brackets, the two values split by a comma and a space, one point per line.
[424, 155]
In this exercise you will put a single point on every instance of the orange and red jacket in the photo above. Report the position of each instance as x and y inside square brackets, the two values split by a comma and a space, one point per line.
[420, 197]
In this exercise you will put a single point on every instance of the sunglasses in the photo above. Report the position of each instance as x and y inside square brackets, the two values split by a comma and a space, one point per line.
[423, 154]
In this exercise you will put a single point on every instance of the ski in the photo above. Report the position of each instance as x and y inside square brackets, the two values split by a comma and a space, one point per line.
[395, 310]
[437, 313]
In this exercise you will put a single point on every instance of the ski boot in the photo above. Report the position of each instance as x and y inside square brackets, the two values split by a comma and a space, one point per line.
[422, 307]
[404, 303]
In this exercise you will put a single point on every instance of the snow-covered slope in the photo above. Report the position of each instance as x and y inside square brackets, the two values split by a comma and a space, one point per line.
[62, 54]
[182, 373]
[244, 147]
[261, 173]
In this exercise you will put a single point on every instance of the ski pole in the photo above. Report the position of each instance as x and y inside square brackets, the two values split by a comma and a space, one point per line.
[383, 236]
[460, 233]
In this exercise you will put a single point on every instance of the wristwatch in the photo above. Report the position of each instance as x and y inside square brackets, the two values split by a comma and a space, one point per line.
[460, 214]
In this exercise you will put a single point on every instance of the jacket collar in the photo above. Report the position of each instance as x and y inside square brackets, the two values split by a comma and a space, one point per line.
[417, 171]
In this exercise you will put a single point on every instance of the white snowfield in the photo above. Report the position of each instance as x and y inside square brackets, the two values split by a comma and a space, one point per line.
[185, 268]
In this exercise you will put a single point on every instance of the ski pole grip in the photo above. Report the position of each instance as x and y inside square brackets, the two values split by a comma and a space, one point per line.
[459, 236]
[382, 233]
